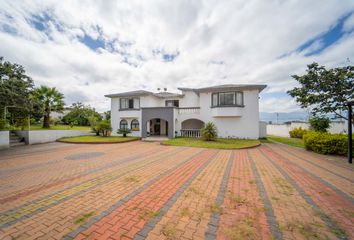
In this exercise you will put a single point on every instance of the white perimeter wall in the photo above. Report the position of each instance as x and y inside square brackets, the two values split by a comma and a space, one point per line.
[4, 139]
[44, 136]
[283, 129]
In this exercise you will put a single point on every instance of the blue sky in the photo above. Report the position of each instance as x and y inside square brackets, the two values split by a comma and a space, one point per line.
[111, 46]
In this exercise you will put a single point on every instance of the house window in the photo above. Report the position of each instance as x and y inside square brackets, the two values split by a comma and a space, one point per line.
[134, 125]
[129, 103]
[214, 99]
[123, 124]
[227, 99]
[172, 103]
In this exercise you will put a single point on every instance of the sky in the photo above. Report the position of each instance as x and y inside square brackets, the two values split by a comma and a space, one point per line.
[87, 49]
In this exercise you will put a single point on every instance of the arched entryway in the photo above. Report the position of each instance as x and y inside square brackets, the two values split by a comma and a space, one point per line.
[151, 125]
[191, 127]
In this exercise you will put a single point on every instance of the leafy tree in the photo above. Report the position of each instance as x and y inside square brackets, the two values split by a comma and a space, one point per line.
[15, 90]
[209, 132]
[320, 124]
[105, 127]
[124, 131]
[48, 100]
[107, 115]
[81, 114]
[324, 90]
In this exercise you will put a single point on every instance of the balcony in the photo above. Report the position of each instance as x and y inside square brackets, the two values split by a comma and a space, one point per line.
[189, 110]
[232, 111]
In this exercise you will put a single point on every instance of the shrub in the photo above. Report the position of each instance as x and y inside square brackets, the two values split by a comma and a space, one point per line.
[124, 131]
[297, 132]
[209, 132]
[105, 127]
[326, 143]
[4, 125]
[320, 124]
[21, 123]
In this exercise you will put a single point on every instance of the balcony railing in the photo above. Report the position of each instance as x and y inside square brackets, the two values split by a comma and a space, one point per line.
[192, 133]
[189, 110]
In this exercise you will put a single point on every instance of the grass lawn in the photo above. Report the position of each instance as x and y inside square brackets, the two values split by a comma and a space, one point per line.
[295, 142]
[225, 143]
[58, 127]
[97, 139]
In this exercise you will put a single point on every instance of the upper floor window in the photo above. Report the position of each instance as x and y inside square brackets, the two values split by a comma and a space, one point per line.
[129, 103]
[227, 99]
[172, 103]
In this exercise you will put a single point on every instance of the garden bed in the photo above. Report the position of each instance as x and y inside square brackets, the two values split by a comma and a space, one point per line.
[222, 143]
[97, 139]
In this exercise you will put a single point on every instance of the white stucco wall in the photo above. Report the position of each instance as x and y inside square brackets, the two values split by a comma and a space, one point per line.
[44, 136]
[283, 129]
[244, 122]
[262, 129]
[4, 139]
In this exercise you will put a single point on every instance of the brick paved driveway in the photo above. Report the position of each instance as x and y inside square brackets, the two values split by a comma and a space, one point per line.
[143, 190]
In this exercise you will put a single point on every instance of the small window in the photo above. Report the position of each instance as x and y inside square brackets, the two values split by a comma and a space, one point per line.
[134, 125]
[172, 103]
[123, 124]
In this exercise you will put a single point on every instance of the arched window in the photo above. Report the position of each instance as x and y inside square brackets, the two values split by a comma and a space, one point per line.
[123, 124]
[134, 125]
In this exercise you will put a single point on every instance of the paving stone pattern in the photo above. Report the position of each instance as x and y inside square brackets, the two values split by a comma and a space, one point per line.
[142, 190]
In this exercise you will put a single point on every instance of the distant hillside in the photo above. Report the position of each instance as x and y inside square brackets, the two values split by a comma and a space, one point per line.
[286, 117]
[283, 117]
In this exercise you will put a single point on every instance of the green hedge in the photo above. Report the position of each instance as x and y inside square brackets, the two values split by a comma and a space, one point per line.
[297, 132]
[326, 143]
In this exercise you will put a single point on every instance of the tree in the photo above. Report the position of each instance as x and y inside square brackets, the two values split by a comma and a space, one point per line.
[107, 115]
[209, 132]
[15, 90]
[49, 100]
[320, 124]
[105, 127]
[81, 114]
[325, 91]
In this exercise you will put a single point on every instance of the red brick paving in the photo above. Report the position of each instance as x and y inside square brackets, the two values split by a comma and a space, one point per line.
[243, 208]
[337, 207]
[29, 174]
[128, 219]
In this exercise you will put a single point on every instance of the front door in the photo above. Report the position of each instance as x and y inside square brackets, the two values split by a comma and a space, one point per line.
[157, 129]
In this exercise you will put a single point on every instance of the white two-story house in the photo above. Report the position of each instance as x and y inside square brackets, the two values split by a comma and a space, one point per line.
[233, 108]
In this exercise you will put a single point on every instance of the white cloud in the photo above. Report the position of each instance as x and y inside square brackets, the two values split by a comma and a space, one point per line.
[247, 36]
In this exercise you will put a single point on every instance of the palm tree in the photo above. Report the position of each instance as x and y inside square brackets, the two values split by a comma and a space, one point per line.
[49, 99]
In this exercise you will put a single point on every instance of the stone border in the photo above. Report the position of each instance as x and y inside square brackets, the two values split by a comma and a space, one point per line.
[164, 144]
[131, 140]
[213, 224]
